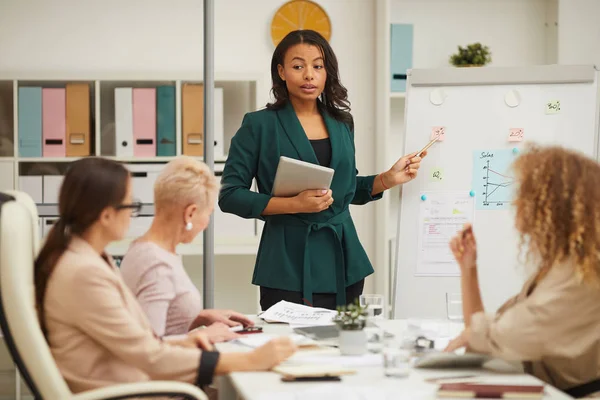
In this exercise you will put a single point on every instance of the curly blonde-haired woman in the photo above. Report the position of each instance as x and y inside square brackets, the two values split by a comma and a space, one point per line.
[553, 325]
[184, 196]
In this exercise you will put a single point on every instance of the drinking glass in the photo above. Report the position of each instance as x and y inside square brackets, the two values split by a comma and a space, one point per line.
[374, 304]
[395, 359]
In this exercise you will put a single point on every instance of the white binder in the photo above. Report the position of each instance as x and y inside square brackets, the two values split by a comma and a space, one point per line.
[124, 122]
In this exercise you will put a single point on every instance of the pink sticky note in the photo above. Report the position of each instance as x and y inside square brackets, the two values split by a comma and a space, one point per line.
[439, 132]
[516, 134]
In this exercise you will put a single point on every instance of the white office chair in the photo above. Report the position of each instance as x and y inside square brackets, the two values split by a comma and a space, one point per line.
[19, 243]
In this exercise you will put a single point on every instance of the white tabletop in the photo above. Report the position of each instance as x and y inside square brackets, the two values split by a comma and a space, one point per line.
[368, 383]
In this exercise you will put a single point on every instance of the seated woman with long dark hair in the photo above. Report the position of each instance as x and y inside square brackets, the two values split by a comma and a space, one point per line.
[97, 331]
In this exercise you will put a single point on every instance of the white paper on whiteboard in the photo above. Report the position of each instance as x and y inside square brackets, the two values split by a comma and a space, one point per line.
[441, 215]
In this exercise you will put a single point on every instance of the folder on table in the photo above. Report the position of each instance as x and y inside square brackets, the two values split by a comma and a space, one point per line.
[124, 122]
[144, 122]
[30, 121]
[193, 119]
[165, 121]
[78, 137]
[53, 122]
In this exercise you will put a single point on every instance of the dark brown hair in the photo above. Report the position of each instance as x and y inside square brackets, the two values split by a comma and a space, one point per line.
[90, 185]
[557, 213]
[334, 96]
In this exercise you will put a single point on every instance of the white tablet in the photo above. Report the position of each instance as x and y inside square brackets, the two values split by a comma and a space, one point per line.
[295, 176]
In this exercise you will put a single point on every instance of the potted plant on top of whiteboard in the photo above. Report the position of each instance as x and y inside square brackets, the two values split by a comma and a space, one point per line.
[473, 55]
[351, 321]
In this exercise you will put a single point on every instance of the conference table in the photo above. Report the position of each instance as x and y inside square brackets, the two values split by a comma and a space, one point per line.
[369, 381]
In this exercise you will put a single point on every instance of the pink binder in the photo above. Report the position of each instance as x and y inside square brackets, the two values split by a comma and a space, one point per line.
[144, 122]
[54, 126]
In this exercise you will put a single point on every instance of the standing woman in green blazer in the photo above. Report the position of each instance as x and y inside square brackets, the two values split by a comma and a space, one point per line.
[309, 252]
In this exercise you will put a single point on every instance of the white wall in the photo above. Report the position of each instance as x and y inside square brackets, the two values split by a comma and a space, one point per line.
[513, 29]
[579, 32]
[167, 36]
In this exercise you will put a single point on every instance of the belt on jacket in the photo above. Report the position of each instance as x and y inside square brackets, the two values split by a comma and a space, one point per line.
[340, 267]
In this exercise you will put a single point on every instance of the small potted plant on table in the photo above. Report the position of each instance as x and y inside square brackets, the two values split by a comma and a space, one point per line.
[351, 321]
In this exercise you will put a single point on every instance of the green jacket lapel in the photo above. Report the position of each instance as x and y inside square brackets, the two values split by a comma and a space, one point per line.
[293, 129]
[335, 130]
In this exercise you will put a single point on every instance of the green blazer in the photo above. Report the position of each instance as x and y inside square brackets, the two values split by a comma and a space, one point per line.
[311, 253]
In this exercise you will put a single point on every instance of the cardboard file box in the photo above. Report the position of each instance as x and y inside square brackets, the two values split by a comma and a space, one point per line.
[143, 177]
[54, 122]
[6, 176]
[32, 185]
[51, 188]
[400, 55]
[47, 224]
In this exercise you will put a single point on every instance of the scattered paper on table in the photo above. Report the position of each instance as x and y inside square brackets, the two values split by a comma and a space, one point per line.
[346, 391]
[298, 314]
[258, 339]
[334, 358]
[516, 134]
[441, 215]
[492, 179]
[317, 369]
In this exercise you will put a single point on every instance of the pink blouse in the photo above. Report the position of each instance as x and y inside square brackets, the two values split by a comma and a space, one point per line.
[162, 286]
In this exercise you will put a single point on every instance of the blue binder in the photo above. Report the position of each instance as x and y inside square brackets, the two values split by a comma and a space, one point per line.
[30, 121]
[165, 121]
[401, 55]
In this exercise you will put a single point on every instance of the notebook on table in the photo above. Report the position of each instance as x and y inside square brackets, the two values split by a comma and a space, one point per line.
[490, 391]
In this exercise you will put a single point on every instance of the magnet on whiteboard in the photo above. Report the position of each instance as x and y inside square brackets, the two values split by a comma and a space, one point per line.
[472, 193]
[423, 197]
[515, 150]
[437, 97]
[512, 98]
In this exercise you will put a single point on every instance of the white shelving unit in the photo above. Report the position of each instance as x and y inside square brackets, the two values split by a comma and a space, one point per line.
[240, 95]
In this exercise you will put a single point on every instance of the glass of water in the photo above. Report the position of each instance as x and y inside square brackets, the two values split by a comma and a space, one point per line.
[374, 304]
[395, 359]
[454, 309]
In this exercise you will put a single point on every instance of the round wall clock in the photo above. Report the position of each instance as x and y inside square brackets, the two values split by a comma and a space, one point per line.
[299, 14]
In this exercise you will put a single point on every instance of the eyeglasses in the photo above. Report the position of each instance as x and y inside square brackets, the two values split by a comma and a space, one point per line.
[136, 207]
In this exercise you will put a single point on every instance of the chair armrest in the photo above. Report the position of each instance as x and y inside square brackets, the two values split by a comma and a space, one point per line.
[144, 389]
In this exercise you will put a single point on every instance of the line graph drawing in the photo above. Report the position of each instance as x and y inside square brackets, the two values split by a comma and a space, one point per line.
[492, 180]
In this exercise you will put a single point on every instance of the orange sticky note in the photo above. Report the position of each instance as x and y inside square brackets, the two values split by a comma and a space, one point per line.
[439, 132]
[516, 134]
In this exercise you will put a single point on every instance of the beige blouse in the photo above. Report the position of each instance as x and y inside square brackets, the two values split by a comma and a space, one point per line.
[552, 326]
[100, 336]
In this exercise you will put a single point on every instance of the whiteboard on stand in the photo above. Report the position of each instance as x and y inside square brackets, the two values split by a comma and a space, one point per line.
[486, 117]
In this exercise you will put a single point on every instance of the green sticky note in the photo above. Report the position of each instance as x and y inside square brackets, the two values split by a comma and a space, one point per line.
[553, 107]
[436, 175]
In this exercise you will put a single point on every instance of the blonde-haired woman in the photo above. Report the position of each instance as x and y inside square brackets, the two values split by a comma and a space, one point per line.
[184, 196]
[553, 325]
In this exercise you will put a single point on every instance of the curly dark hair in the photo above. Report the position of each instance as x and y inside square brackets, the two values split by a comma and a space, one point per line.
[557, 211]
[334, 97]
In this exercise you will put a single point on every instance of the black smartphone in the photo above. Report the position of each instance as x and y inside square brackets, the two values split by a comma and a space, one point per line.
[250, 329]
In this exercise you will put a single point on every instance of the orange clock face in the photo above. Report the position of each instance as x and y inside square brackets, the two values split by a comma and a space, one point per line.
[299, 14]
